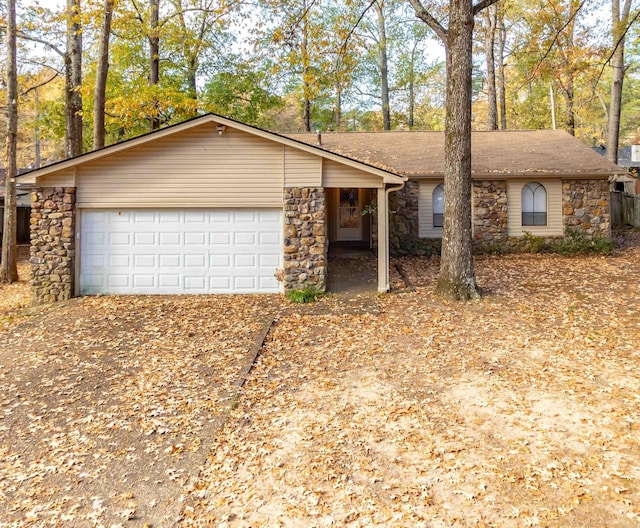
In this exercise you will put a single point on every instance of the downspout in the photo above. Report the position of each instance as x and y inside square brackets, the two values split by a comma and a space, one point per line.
[386, 241]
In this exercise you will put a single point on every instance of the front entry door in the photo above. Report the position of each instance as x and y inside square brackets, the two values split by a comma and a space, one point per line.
[349, 214]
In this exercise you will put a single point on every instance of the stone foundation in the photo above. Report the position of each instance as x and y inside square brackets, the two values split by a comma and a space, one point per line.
[305, 239]
[52, 231]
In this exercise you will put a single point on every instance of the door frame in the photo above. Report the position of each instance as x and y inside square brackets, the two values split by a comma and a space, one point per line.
[349, 234]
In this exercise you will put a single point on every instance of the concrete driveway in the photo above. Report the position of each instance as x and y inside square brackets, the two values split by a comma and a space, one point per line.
[108, 404]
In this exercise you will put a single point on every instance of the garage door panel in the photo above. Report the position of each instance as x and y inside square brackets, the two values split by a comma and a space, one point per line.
[191, 251]
[118, 281]
[169, 239]
[198, 217]
[220, 260]
[119, 217]
[144, 239]
[119, 261]
[219, 284]
[169, 261]
[195, 284]
[120, 239]
[195, 261]
[144, 281]
[245, 239]
[169, 282]
[144, 217]
[195, 239]
[144, 261]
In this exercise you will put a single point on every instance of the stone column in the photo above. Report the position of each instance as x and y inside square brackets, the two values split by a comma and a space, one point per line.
[490, 224]
[53, 226]
[585, 207]
[305, 239]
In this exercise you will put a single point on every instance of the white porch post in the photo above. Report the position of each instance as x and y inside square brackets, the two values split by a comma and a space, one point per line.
[383, 241]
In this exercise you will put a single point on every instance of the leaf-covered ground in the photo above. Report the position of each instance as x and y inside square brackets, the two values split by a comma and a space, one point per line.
[522, 409]
[519, 410]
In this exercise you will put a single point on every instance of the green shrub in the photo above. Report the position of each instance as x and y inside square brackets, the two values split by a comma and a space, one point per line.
[306, 295]
[534, 244]
[577, 243]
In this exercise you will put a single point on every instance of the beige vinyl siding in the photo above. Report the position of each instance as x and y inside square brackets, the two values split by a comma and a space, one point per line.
[554, 225]
[65, 178]
[194, 168]
[301, 169]
[425, 210]
[339, 175]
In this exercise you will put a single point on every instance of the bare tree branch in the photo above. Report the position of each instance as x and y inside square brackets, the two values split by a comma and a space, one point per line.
[31, 38]
[429, 19]
[483, 5]
[555, 38]
[43, 83]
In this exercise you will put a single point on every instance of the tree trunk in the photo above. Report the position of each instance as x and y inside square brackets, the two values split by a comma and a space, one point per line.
[384, 66]
[338, 107]
[457, 276]
[73, 80]
[412, 86]
[8, 266]
[192, 78]
[569, 101]
[501, 82]
[489, 50]
[568, 86]
[412, 97]
[306, 72]
[618, 28]
[102, 69]
[154, 60]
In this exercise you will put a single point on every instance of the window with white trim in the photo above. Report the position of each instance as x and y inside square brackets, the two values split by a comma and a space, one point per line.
[534, 205]
[438, 206]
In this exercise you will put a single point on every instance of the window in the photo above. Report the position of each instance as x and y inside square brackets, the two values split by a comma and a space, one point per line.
[438, 206]
[534, 205]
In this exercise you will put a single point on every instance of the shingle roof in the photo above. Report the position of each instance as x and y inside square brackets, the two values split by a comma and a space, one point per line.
[515, 153]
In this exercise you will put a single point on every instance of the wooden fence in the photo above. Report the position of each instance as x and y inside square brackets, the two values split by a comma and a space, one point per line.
[625, 209]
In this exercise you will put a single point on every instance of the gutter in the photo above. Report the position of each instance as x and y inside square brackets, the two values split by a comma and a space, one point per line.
[386, 220]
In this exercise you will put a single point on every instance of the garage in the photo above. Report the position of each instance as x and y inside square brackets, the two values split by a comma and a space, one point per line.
[207, 206]
[166, 251]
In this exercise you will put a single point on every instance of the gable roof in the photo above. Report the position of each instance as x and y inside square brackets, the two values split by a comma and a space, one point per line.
[519, 153]
[30, 176]
[398, 155]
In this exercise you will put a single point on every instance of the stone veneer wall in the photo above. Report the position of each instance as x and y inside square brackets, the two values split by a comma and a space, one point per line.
[585, 207]
[489, 214]
[403, 224]
[403, 220]
[53, 222]
[305, 239]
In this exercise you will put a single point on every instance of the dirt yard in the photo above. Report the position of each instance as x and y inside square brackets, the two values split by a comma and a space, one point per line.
[522, 409]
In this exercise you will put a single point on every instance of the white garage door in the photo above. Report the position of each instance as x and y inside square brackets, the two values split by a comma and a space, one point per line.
[186, 251]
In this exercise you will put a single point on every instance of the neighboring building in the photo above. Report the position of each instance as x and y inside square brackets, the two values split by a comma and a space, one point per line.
[23, 203]
[217, 206]
[629, 158]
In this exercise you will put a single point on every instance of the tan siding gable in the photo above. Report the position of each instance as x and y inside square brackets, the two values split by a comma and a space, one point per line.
[425, 210]
[338, 175]
[195, 168]
[301, 169]
[554, 225]
[65, 178]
